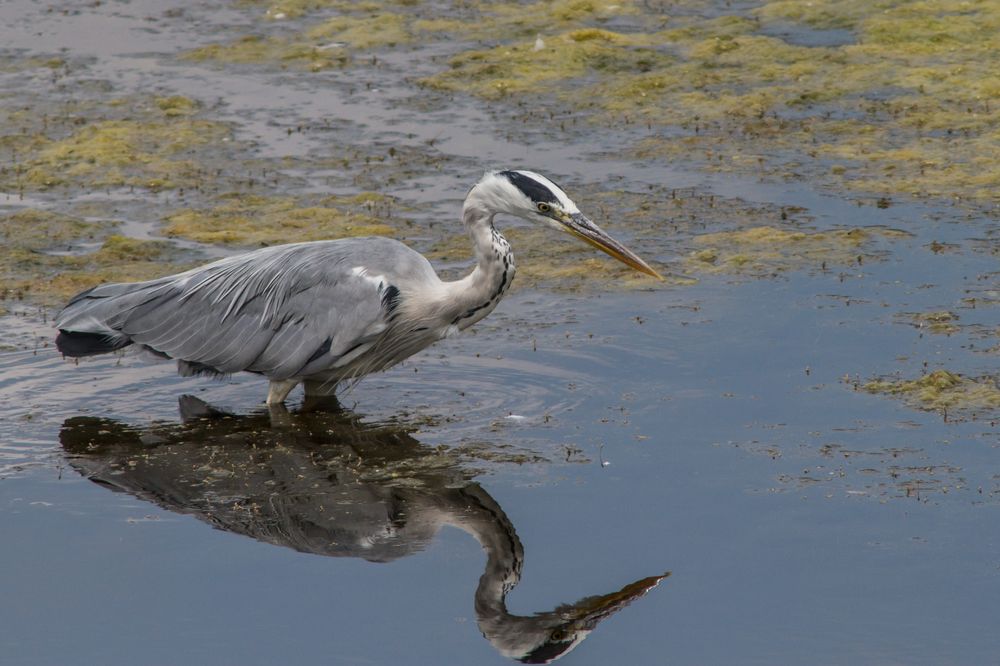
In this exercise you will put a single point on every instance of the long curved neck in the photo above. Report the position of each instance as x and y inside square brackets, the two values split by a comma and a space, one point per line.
[479, 292]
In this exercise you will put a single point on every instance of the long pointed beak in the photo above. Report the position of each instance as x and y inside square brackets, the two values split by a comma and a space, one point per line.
[580, 226]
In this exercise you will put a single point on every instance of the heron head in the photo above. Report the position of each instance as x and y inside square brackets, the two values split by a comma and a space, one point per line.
[535, 198]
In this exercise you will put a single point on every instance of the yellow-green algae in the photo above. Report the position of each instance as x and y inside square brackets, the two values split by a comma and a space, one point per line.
[844, 14]
[767, 249]
[521, 68]
[285, 52]
[286, 9]
[942, 390]
[29, 268]
[35, 230]
[907, 105]
[941, 322]
[365, 26]
[150, 148]
[326, 45]
[260, 220]
[19, 63]
[518, 20]
[176, 105]
[365, 32]
[471, 19]
[902, 100]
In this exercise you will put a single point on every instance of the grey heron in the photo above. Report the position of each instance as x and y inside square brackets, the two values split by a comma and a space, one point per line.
[324, 312]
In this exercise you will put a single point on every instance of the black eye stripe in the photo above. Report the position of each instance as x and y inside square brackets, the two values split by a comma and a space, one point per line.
[532, 189]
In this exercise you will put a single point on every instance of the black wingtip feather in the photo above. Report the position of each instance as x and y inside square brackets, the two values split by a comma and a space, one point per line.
[196, 369]
[76, 344]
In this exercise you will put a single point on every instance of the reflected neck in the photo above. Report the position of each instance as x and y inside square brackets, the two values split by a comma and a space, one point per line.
[483, 518]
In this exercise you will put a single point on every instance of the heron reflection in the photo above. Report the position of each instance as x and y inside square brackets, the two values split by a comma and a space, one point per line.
[322, 482]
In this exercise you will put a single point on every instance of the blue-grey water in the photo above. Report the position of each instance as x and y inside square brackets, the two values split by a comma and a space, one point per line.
[578, 443]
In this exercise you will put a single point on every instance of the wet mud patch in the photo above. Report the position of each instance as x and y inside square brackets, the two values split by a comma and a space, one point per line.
[542, 66]
[386, 167]
[253, 49]
[899, 109]
[891, 105]
[154, 143]
[325, 33]
[298, 36]
[47, 257]
[255, 220]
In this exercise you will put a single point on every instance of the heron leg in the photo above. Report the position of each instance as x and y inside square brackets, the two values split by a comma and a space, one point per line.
[279, 389]
[320, 396]
[319, 388]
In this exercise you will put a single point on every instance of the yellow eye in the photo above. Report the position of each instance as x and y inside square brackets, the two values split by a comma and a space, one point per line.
[543, 207]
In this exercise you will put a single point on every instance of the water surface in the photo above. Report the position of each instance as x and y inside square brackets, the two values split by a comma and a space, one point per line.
[583, 441]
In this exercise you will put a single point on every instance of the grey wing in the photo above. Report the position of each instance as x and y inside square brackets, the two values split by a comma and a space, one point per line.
[287, 311]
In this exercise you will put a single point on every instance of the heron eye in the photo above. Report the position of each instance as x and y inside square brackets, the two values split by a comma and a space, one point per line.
[543, 207]
[558, 635]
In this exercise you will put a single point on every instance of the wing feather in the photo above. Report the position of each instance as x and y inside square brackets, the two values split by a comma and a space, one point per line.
[284, 311]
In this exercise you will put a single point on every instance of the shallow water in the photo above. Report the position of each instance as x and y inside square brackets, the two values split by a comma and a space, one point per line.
[579, 443]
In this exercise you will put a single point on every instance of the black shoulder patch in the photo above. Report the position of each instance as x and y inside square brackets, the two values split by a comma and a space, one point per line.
[390, 299]
[532, 188]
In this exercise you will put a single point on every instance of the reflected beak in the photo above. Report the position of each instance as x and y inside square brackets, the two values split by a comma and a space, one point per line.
[586, 613]
[580, 226]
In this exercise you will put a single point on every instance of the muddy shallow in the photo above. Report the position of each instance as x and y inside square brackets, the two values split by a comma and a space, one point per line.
[800, 424]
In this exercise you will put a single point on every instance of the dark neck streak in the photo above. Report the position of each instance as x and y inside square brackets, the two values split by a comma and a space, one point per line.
[480, 291]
